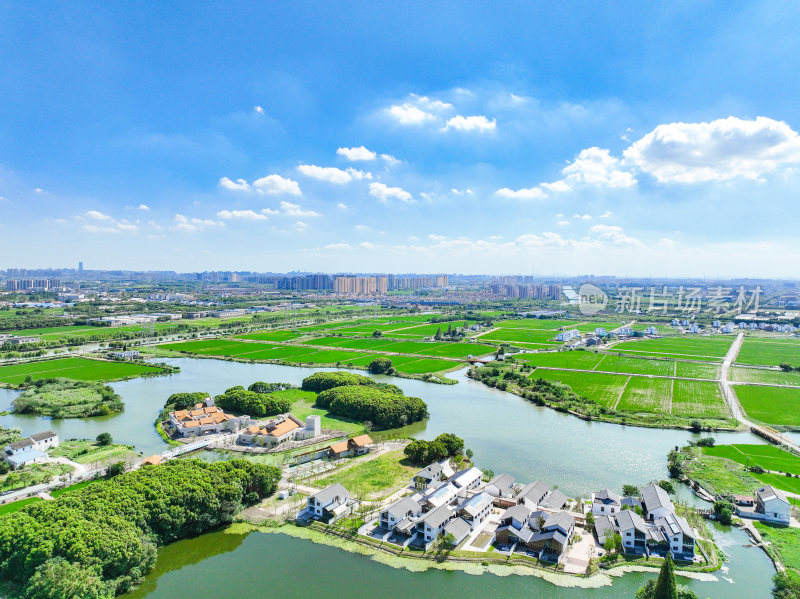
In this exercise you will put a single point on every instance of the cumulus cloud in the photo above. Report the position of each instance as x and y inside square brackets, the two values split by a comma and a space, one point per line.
[385, 193]
[717, 150]
[95, 215]
[332, 174]
[240, 215]
[258, 109]
[530, 193]
[596, 166]
[357, 154]
[144, 207]
[275, 184]
[615, 235]
[238, 185]
[556, 186]
[408, 114]
[341, 206]
[290, 209]
[470, 123]
[192, 225]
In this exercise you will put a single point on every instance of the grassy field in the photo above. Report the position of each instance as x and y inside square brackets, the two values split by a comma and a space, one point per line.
[698, 399]
[773, 405]
[374, 478]
[604, 389]
[522, 336]
[685, 346]
[780, 481]
[79, 369]
[720, 476]
[75, 487]
[769, 352]
[33, 474]
[762, 375]
[646, 395]
[536, 323]
[10, 508]
[768, 457]
[88, 452]
[283, 335]
[587, 360]
[579, 360]
[784, 541]
[696, 371]
[626, 365]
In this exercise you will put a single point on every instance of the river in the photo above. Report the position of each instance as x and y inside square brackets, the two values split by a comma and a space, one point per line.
[506, 433]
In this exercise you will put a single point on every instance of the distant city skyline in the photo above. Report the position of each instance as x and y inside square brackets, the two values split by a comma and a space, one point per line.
[507, 138]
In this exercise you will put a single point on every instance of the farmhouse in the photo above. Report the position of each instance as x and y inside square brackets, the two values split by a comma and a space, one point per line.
[438, 471]
[330, 504]
[280, 429]
[605, 502]
[769, 504]
[31, 450]
[356, 446]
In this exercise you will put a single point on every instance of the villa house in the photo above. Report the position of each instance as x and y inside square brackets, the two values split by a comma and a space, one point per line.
[281, 429]
[545, 533]
[476, 509]
[533, 494]
[555, 500]
[553, 537]
[502, 486]
[633, 531]
[605, 502]
[604, 527]
[772, 505]
[459, 528]
[330, 504]
[436, 497]
[402, 516]
[432, 524]
[204, 420]
[656, 502]
[467, 479]
[678, 537]
[438, 471]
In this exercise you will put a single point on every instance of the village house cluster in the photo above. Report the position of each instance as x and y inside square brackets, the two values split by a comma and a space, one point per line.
[205, 419]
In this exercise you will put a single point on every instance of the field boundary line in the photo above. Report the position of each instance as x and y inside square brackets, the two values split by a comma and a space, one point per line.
[622, 391]
[672, 392]
[599, 362]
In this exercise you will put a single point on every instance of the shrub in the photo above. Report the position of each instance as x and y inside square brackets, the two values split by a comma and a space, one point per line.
[240, 400]
[383, 407]
[380, 365]
[104, 439]
[322, 381]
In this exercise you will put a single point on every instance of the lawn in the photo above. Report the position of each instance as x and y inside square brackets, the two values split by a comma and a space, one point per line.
[768, 457]
[426, 365]
[785, 541]
[376, 477]
[10, 508]
[80, 369]
[686, 346]
[604, 389]
[769, 352]
[699, 399]
[773, 405]
[88, 452]
[646, 395]
[762, 375]
[326, 356]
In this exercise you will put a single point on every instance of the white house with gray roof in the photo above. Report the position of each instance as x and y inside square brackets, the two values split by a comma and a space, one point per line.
[401, 516]
[605, 502]
[467, 479]
[330, 504]
[433, 523]
[656, 502]
[476, 509]
[533, 494]
[502, 486]
[772, 505]
[459, 528]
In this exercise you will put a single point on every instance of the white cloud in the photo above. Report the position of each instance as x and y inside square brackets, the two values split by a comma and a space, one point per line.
[238, 185]
[385, 193]
[332, 174]
[557, 186]
[389, 159]
[596, 166]
[615, 235]
[275, 184]
[563, 222]
[95, 215]
[362, 228]
[431, 104]
[531, 193]
[258, 109]
[341, 206]
[408, 114]
[357, 154]
[240, 215]
[184, 223]
[300, 225]
[717, 150]
[39, 190]
[143, 207]
[296, 210]
[606, 214]
[470, 123]
[582, 216]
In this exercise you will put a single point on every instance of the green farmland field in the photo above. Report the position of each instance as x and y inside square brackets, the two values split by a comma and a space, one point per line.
[604, 389]
[698, 399]
[693, 370]
[685, 346]
[536, 323]
[522, 335]
[578, 360]
[780, 481]
[80, 369]
[768, 457]
[636, 366]
[646, 395]
[284, 335]
[762, 375]
[763, 352]
[773, 405]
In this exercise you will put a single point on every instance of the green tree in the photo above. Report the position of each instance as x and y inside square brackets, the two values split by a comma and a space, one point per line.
[104, 439]
[380, 365]
[115, 469]
[666, 585]
[437, 451]
[723, 511]
[416, 451]
[667, 486]
[630, 490]
[786, 585]
[454, 444]
[60, 579]
[376, 333]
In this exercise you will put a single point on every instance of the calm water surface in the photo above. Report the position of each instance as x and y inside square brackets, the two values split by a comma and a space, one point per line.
[506, 433]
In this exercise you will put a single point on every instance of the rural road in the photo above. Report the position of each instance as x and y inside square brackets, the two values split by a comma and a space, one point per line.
[733, 401]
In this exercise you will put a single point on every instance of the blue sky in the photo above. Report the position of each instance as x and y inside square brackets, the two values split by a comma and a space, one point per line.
[535, 138]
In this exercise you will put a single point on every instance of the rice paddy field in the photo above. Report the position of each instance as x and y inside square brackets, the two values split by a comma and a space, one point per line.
[536, 323]
[696, 371]
[769, 352]
[521, 335]
[768, 457]
[283, 335]
[79, 369]
[698, 399]
[687, 347]
[299, 354]
[604, 389]
[772, 405]
[646, 395]
[447, 349]
[580, 360]
[762, 375]
[611, 363]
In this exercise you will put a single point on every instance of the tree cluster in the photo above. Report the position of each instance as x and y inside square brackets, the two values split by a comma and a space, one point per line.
[243, 401]
[380, 365]
[322, 381]
[385, 406]
[446, 445]
[99, 541]
[64, 398]
[262, 387]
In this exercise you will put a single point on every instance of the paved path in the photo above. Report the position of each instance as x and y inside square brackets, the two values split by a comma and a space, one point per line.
[733, 401]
